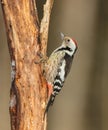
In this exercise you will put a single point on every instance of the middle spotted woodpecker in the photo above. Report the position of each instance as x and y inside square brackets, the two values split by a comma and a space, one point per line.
[58, 66]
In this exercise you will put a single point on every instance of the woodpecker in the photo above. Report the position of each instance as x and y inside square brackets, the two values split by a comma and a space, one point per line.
[58, 66]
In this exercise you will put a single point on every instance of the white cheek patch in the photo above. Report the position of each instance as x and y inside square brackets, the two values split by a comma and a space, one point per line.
[72, 45]
[70, 53]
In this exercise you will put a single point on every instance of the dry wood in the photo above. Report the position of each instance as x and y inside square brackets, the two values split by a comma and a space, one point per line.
[28, 89]
[45, 24]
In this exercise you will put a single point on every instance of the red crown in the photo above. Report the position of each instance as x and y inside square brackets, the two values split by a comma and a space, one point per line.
[75, 42]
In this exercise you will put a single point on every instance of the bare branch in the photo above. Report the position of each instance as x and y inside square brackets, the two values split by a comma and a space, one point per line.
[45, 24]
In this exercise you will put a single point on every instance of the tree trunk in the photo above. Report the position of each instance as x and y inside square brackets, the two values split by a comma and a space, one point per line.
[26, 37]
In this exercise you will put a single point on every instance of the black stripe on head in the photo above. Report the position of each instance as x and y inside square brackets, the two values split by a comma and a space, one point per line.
[64, 48]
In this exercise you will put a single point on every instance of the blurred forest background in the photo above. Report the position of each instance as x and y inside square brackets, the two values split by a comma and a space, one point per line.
[83, 102]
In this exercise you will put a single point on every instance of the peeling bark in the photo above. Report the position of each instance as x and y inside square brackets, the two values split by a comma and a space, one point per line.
[28, 90]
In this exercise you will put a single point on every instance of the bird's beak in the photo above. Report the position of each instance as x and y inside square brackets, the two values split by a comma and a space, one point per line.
[62, 36]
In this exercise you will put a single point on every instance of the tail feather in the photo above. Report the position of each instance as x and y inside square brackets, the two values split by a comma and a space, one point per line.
[50, 102]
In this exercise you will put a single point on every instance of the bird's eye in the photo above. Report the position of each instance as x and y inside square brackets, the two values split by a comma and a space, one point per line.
[68, 40]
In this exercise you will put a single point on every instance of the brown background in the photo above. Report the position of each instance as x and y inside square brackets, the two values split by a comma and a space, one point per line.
[82, 103]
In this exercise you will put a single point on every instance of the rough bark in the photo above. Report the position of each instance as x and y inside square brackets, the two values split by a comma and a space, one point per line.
[28, 90]
[45, 24]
